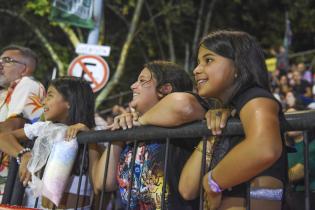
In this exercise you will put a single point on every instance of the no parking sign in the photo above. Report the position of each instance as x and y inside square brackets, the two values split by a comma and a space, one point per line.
[92, 68]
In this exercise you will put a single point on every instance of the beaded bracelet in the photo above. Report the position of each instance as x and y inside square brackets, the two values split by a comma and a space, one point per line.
[21, 153]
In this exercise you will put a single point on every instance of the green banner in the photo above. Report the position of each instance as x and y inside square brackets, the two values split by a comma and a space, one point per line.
[75, 12]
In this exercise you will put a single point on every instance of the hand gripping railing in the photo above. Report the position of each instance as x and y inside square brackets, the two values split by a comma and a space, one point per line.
[301, 121]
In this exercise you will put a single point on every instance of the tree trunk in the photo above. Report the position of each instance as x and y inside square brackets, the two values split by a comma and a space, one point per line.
[70, 33]
[136, 33]
[196, 35]
[208, 18]
[171, 46]
[156, 32]
[41, 37]
[123, 56]
[187, 57]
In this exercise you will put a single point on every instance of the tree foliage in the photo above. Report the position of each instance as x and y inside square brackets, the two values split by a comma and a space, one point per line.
[166, 30]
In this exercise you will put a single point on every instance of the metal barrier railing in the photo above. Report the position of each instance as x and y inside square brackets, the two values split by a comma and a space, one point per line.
[295, 121]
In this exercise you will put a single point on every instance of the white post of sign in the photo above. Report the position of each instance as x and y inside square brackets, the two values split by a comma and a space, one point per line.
[98, 15]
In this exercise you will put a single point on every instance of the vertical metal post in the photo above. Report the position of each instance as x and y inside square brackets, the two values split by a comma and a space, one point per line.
[18, 192]
[133, 158]
[306, 171]
[203, 171]
[9, 185]
[105, 175]
[165, 174]
[81, 174]
[93, 39]
[247, 199]
[1, 157]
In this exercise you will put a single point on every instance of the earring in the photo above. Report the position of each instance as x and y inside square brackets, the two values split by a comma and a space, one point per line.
[235, 76]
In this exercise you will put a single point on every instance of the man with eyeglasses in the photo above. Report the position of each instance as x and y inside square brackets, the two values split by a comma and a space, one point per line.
[20, 97]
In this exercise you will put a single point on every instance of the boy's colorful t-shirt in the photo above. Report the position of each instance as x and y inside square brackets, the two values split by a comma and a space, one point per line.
[23, 99]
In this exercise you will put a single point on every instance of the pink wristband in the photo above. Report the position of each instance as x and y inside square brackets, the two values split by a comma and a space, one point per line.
[212, 184]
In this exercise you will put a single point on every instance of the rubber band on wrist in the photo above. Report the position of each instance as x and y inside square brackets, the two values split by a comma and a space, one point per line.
[213, 185]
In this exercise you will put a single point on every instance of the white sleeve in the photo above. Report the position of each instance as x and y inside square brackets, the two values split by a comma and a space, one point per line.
[32, 130]
[26, 100]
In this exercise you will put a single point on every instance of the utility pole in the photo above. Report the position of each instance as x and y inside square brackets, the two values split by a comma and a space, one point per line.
[98, 15]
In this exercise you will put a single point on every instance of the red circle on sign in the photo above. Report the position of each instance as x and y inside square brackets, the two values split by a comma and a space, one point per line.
[92, 68]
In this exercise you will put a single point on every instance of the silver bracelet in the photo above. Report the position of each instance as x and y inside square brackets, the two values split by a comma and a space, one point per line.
[274, 194]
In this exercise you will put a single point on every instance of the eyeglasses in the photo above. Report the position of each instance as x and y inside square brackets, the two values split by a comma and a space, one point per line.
[4, 61]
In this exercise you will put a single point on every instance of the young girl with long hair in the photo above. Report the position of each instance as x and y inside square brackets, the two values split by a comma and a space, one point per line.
[231, 68]
[158, 81]
[68, 108]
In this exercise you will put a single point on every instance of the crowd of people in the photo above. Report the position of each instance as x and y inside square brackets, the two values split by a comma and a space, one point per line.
[294, 87]
[231, 79]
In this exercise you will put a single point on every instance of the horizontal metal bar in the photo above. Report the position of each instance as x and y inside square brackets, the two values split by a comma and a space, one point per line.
[301, 120]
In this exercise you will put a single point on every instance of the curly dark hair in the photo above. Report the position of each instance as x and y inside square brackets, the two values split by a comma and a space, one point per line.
[168, 72]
